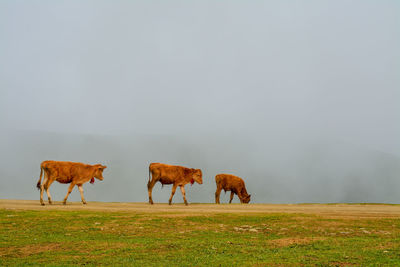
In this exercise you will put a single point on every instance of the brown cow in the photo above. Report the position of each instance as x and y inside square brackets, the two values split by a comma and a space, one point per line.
[231, 183]
[175, 175]
[65, 172]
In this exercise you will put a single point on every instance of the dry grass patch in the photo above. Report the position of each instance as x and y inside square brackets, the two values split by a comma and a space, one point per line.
[336, 263]
[28, 250]
[286, 242]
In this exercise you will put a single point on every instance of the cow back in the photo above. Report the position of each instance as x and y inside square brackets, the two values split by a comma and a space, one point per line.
[169, 174]
[229, 182]
[66, 172]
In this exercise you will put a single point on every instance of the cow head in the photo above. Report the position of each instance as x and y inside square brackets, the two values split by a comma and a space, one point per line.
[98, 173]
[246, 199]
[197, 176]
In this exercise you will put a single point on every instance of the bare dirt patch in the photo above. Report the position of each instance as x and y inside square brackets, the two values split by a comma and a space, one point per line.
[326, 210]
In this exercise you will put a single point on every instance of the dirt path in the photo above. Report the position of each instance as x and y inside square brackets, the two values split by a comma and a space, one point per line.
[331, 210]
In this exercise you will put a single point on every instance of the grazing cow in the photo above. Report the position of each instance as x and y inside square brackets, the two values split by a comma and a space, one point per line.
[231, 183]
[73, 173]
[175, 175]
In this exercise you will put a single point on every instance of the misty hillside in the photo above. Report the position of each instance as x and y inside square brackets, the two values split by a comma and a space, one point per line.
[290, 171]
[301, 99]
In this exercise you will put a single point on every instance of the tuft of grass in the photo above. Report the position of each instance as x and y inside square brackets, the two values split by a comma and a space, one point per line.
[63, 238]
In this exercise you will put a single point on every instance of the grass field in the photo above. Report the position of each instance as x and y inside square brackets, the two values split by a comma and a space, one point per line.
[57, 236]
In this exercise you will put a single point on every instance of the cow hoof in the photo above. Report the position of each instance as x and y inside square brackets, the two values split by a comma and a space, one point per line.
[186, 204]
[42, 204]
[50, 202]
[84, 203]
[169, 203]
[64, 203]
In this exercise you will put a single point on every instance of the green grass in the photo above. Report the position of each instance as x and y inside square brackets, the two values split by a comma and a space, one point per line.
[60, 238]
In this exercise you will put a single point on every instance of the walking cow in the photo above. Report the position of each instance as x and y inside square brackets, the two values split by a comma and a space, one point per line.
[175, 175]
[73, 173]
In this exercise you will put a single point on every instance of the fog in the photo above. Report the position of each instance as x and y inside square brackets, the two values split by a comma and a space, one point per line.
[300, 99]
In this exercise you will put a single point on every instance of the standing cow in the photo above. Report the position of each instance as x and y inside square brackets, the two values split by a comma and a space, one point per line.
[175, 175]
[73, 173]
[231, 183]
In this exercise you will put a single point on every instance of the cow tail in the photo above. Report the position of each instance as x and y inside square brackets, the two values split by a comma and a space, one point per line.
[40, 178]
[148, 183]
[149, 174]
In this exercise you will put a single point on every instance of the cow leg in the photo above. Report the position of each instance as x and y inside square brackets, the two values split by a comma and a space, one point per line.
[172, 193]
[184, 194]
[80, 187]
[150, 186]
[71, 186]
[47, 187]
[230, 201]
[217, 194]
[42, 188]
[41, 194]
